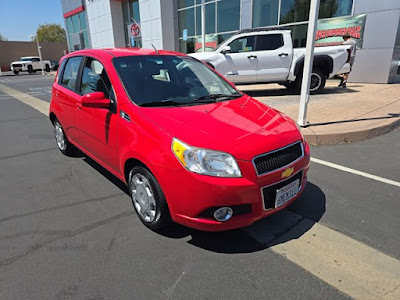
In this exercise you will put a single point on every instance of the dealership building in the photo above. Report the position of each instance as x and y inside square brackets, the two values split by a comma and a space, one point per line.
[176, 25]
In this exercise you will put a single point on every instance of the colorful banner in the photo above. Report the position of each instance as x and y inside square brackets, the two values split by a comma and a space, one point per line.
[331, 31]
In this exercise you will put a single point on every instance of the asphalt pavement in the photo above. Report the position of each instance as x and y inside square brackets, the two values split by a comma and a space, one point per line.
[68, 229]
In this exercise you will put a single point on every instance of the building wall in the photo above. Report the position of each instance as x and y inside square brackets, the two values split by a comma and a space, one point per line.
[100, 23]
[12, 51]
[376, 61]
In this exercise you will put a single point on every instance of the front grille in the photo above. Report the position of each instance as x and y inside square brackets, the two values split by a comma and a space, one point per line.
[278, 159]
[17, 65]
[269, 192]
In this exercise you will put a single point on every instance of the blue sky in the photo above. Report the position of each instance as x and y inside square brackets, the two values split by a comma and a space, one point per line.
[20, 18]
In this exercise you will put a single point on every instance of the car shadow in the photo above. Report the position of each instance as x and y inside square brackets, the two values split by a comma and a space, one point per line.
[288, 224]
[281, 227]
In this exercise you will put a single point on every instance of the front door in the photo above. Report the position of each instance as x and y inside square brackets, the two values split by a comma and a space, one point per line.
[240, 64]
[98, 126]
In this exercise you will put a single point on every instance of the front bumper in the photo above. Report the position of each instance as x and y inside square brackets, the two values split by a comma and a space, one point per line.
[196, 194]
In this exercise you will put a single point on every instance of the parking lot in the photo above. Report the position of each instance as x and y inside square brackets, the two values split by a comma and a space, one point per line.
[68, 229]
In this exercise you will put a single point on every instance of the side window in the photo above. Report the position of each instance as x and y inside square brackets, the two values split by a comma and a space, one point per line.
[269, 42]
[35, 59]
[94, 78]
[70, 73]
[243, 44]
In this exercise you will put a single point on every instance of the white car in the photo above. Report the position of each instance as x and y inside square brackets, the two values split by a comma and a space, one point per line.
[30, 64]
[265, 56]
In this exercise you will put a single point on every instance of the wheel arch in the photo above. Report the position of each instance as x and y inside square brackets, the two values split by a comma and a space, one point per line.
[322, 62]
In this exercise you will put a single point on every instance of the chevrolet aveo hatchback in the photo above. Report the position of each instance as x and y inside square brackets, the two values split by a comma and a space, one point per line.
[191, 148]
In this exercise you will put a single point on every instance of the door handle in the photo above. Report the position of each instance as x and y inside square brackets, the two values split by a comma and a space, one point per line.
[283, 54]
[79, 105]
[252, 56]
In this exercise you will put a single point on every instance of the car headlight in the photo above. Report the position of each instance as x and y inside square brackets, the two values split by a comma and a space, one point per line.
[204, 161]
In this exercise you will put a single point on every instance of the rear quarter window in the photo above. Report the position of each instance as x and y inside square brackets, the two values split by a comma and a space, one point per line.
[69, 74]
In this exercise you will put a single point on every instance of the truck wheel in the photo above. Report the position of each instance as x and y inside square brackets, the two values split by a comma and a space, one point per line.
[16, 72]
[47, 68]
[30, 69]
[318, 80]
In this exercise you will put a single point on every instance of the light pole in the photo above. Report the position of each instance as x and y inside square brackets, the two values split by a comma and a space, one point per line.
[308, 63]
[40, 53]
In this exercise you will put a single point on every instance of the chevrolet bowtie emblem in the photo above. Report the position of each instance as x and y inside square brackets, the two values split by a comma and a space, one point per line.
[287, 172]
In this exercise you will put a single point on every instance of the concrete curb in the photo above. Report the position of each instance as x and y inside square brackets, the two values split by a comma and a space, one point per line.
[351, 136]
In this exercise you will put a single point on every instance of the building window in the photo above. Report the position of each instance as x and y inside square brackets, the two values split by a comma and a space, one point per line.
[222, 20]
[265, 12]
[281, 12]
[78, 37]
[131, 15]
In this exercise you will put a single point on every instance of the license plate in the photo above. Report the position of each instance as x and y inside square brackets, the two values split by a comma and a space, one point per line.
[287, 193]
[17, 68]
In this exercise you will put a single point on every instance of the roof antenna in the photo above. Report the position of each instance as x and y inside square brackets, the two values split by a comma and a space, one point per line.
[155, 48]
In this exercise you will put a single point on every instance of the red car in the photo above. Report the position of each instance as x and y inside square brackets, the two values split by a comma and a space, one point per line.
[190, 146]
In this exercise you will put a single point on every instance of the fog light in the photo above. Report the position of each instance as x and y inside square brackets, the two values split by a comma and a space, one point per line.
[223, 214]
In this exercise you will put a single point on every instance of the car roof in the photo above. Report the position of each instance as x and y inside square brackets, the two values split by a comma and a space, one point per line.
[119, 52]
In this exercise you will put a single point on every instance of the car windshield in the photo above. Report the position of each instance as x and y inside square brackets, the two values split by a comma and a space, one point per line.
[26, 59]
[166, 80]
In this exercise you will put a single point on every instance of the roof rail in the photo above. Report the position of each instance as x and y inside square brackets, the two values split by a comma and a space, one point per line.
[263, 29]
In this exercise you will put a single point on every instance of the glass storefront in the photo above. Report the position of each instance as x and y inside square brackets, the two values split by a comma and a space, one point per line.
[222, 20]
[131, 15]
[77, 32]
[289, 12]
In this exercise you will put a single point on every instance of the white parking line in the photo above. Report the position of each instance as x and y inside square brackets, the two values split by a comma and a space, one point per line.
[36, 103]
[352, 171]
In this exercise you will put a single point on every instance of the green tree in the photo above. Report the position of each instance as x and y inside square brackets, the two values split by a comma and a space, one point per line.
[50, 33]
[3, 38]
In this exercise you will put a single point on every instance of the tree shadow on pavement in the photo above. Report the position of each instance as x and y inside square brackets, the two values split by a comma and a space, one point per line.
[283, 226]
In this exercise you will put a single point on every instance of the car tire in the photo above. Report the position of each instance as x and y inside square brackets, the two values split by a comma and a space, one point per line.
[47, 69]
[148, 199]
[16, 72]
[30, 69]
[317, 84]
[62, 142]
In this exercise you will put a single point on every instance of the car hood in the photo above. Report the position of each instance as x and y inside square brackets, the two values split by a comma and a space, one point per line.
[242, 127]
[20, 62]
[205, 56]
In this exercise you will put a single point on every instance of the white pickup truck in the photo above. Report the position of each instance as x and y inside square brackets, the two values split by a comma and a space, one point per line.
[30, 64]
[265, 56]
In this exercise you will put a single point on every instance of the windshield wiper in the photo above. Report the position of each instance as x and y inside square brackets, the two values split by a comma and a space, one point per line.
[216, 97]
[163, 103]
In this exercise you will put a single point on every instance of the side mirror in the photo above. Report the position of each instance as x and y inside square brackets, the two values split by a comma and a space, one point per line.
[95, 100]
[226, 49]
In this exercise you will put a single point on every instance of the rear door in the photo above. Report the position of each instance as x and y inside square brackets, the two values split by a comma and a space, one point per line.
[240, 65]
[274, 57]
[66, 97]
[98, 126]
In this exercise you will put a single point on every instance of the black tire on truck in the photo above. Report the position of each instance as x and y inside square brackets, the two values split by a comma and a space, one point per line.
[47, 68]
[30, 69]
[16, 72]
[318, 81]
